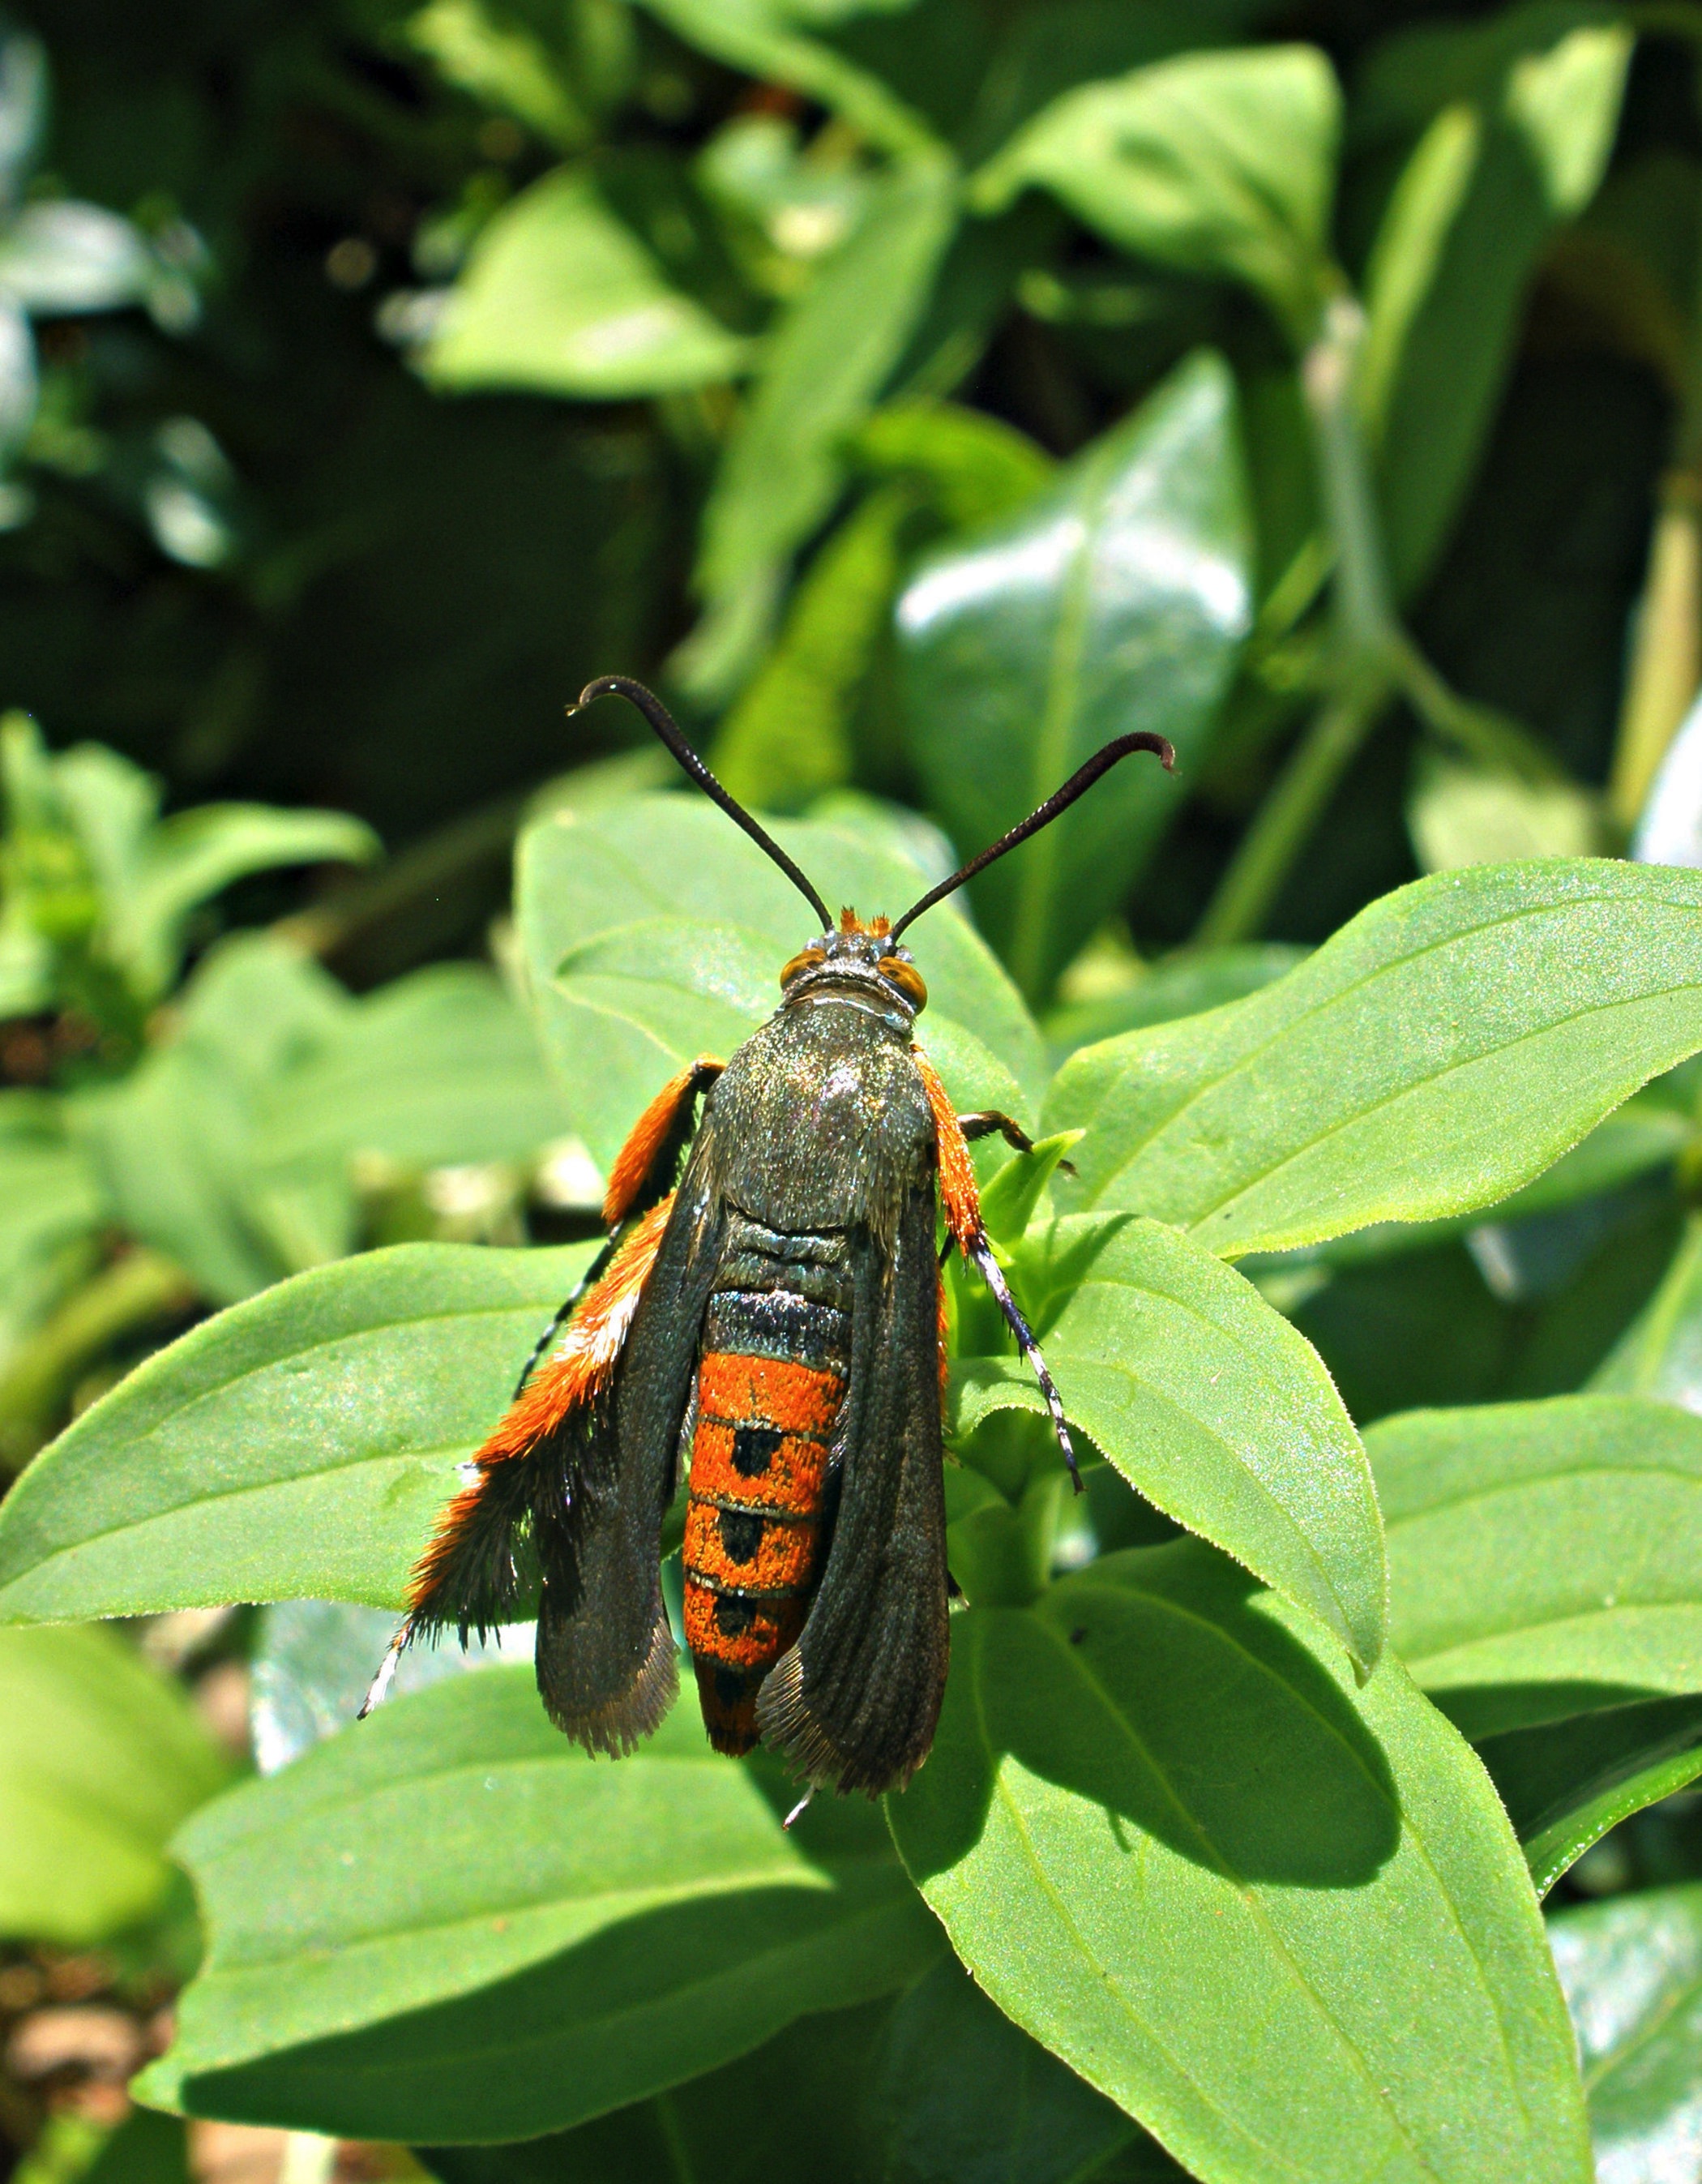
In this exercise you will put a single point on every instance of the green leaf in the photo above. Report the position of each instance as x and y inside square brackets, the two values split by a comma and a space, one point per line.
[1466, 815]
[438, 1068]
[653, 931]
[1007, 1203]
[191, 856]
[1544, 1558]
[797, 2100]
[1185, 986]
[1116, 600]
[49, 1195]
[1281, 1921]
[1215, 163]
[560, 296]
[1443, 1048]
[455, 1925]
[972, 468]
[1660, 1353]
[297, 1446]
[789, 738]
[1209, 1402]
[1565, 1784]
[100, 1759]
[1526, 109]
[1632, 1975]
[762, 39]
[502, 65]
[824, 366]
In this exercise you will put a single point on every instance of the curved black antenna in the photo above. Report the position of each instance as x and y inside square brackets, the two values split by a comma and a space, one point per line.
[1102, 762]
[656, 714]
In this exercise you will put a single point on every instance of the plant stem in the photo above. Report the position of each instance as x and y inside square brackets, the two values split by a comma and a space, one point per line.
[1365, 625]
[1285, 819]
[134, 1293]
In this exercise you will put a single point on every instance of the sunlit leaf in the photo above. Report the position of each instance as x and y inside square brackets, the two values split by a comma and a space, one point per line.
[560, 296]
[1441, 1051]
[1544, 1558]
[1169, 1838]
[297, 1446]
[1209, 1402]
[1219, 162]
[455, 1923]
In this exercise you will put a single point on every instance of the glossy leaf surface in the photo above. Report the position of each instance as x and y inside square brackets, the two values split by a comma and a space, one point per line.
[1129, 1899]
[456, 1924]
[1365, 1086]
[1544, 1558]
[100, 1759]
[296, 1446]
[1209, 1402]
[1633, 1974]
[655, 932]
[1115, 600]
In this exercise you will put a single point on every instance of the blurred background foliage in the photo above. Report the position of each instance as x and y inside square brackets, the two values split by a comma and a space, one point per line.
[919, 391]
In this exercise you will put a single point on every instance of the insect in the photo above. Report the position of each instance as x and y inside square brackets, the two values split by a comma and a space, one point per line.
[768, 1321]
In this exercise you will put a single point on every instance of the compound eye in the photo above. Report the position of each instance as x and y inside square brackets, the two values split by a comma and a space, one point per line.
[906, 978]
[805, 960]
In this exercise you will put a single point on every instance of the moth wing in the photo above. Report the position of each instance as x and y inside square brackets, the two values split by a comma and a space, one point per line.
[607, 1665]
[855, 1701]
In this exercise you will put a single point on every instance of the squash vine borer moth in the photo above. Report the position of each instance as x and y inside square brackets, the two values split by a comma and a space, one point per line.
[767, 1320]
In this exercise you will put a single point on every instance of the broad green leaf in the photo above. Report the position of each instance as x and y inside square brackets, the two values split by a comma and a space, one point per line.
[1565, 1783]
[1209, 1402]
[1185, 986]
[456, 1924]
[1525, 109]
[191, 856]
[824, 366]
[560, 296]
[1215, 163]
[1115, 600]
[48, 1193]
[1462, 815]
[653, 931]
[502, 64]
[763, 38]
[1281, 1921]
[1544, 1558]
[972, 468]
[1443, 1049]
[1632, 1975]
[297, 1446]
[438, 1068]
[100, 1759]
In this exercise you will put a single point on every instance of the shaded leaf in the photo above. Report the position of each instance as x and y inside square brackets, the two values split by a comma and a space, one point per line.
[560, 296]
[1364, 1086]
[653, 931]
[824, 366]
[1185, 986]
[456, 1924]
[1565, 1784]
[1544, 1558]
[1632, 1975]
[1128, 1897]
[1209, 1402]
[1529, 104]
[62, 257]
[1116, 600]
[1660, 1353]
[100, 1759]
[297, 1446]
[1216, 163]
[1463, 814]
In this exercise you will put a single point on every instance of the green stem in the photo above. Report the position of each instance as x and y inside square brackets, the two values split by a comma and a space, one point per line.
[1285, 819]
[1479, 732]
[128, 1298]
[1365, 625]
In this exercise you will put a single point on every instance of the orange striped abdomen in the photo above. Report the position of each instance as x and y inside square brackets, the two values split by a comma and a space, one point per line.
[770, 1381]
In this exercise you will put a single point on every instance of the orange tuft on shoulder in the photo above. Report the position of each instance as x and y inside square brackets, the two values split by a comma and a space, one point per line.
[958, 1194]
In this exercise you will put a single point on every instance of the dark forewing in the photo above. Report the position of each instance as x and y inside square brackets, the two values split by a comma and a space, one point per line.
[606, 1661]
[855, 1701]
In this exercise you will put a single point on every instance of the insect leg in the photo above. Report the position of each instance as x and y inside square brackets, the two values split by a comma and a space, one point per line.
[981, 1251]
[988, 1120]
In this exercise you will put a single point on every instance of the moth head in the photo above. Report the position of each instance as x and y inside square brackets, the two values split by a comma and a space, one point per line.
[856, 953]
